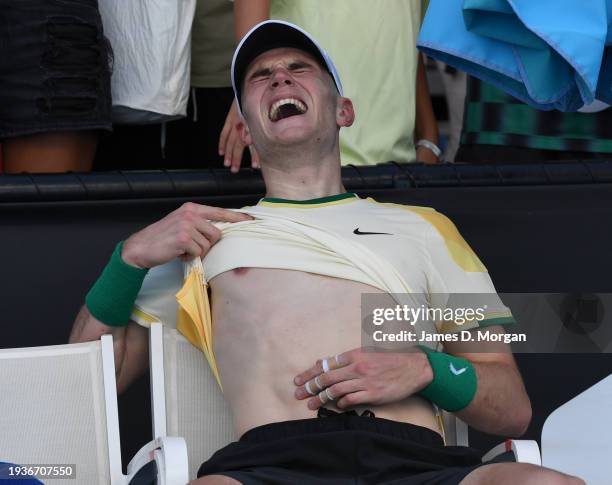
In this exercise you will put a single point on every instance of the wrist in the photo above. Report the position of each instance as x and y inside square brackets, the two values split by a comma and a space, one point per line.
[111, 299]
[429, 145]
[426, 374]
[454, 382]
[129, 255]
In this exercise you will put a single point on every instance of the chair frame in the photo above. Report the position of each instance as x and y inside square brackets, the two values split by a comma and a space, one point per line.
[168, 453]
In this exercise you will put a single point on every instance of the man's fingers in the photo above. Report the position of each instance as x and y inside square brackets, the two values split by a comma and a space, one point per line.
[210, 232]
[230, 121]
[202, 241]
[221, 215]
[354, 399]
[254, 157]
[190, 250]
[229, 147]
[237, 152]
[227, 127]
[335, 393]
[325, 380]
[224, 215]
[321, 366]
[191, 231]
[310, 373]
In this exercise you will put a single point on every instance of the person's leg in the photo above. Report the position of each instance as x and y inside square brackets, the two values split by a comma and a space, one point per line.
[50, 152]
[54, 85]
[513, 473]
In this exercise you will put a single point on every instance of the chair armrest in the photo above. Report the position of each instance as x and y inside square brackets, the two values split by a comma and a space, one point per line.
[524, 451]
[169, 454]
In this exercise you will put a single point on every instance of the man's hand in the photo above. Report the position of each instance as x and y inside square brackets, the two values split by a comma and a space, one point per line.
[357, 377]
[185, 233]
[230, 144]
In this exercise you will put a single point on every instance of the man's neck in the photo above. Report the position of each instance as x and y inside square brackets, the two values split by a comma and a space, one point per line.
[302, 181]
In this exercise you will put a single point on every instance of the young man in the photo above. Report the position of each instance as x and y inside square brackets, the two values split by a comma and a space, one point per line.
[384, 74]
[287, 277]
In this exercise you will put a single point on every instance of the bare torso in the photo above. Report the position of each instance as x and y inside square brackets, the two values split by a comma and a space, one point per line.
[270, 325]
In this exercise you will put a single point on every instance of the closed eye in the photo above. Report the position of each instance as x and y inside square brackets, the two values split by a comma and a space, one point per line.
[260, 74]
[299, 67]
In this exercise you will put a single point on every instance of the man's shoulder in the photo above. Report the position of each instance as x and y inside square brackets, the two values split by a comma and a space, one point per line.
[419, 221]
[427, 216]
[415, 209]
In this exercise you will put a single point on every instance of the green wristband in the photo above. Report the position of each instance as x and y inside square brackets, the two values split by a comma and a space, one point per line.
[112, 297]
[454, 384]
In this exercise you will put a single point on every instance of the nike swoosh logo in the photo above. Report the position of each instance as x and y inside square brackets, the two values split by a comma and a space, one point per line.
[455, 371]
[359, 233]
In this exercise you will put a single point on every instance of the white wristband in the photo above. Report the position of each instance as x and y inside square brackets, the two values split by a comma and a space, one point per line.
[435, 149]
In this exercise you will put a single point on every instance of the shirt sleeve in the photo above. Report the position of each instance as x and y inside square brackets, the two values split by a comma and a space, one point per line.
[458, 283]
[156, 301]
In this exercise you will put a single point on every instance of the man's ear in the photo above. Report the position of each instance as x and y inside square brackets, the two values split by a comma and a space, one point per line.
[345, 113]
[243, 131]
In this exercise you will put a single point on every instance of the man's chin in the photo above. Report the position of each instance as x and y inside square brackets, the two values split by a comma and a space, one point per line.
[291, 135]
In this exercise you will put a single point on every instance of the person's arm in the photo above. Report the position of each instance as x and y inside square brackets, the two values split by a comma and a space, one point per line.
[247, 14]
[130, 345]
[499, 406]
[185, 233]
[426, 127]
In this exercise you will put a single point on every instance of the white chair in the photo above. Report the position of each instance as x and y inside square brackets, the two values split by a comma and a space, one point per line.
[186, 399]
[58, 405]
[522, 451]
[187, 402]
[584, 424]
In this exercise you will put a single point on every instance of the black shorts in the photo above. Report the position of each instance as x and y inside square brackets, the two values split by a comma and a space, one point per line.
[54, 67]
[342, 449]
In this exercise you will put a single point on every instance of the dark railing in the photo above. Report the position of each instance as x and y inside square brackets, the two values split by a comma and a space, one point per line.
[214, 182]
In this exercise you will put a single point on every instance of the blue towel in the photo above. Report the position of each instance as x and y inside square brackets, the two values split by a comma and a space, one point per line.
[551, 54]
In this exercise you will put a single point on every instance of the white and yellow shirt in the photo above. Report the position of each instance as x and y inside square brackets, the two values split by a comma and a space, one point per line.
[401, 250]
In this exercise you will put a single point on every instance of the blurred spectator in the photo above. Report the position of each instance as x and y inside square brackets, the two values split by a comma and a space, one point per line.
[373, 44]
[193, 141]
[454, 83]
[54, 85]
[499, 128]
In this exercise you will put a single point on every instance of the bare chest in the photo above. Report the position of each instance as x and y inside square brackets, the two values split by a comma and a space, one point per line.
[272, 310]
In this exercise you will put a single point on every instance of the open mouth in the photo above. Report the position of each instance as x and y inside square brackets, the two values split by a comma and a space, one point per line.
[285, 108]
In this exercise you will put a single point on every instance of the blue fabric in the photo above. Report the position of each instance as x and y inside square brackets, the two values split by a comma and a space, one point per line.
[7, 479]
[550, 54]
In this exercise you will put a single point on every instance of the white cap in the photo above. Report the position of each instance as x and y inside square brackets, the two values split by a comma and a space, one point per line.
[273, 34]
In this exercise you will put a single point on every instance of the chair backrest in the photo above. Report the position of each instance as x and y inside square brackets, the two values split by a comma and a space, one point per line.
[455, 430]
[576, 436]
[194, 405]
[57, 407]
